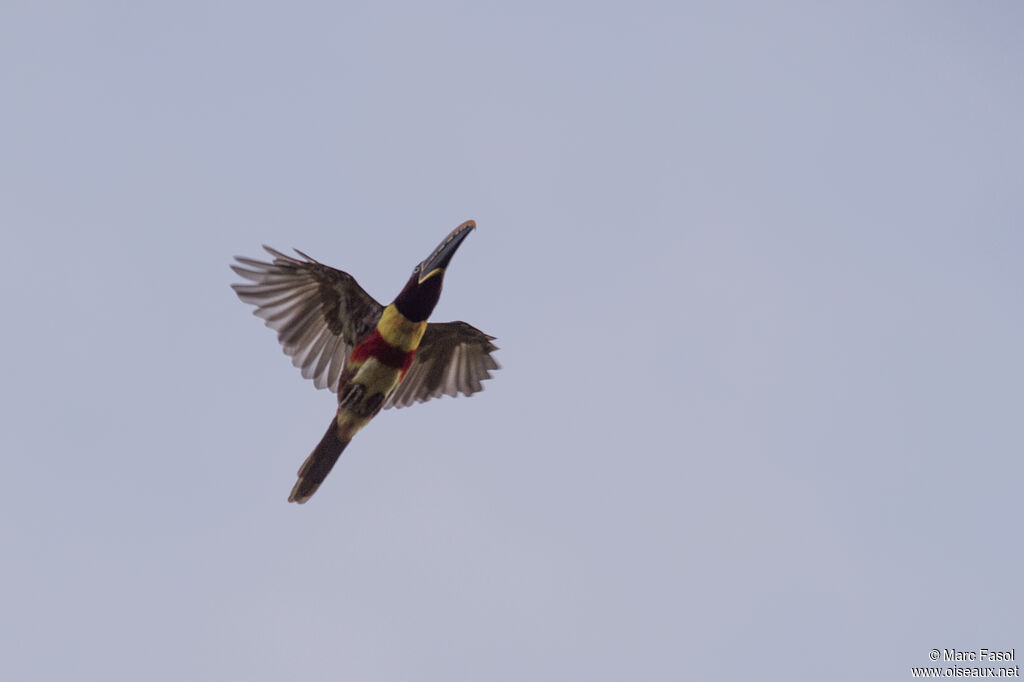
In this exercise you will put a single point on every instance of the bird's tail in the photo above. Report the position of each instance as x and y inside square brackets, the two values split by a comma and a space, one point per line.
[316, 467]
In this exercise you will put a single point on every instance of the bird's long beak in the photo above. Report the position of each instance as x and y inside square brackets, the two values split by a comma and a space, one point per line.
[441, 256]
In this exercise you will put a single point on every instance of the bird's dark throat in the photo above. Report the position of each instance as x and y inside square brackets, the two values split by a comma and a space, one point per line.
[416, 301]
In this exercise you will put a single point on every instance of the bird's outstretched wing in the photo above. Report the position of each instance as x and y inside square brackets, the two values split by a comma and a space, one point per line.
[319, 313]
[452, 358]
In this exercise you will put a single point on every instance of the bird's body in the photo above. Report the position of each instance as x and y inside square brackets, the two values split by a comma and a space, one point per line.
[372, 356]
[378, 364]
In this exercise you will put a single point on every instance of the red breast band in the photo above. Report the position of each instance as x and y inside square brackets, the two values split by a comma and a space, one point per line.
[383, 352]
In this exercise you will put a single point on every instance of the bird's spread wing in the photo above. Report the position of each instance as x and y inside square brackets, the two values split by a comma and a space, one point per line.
[319, 313]
[452, 358]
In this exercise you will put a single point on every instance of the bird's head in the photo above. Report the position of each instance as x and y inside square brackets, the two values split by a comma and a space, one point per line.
[421, 293]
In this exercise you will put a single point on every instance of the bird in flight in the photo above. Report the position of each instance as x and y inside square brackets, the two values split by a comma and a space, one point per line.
[372, 356]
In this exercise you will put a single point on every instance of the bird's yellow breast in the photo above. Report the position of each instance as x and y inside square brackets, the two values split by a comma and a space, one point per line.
[399, 331]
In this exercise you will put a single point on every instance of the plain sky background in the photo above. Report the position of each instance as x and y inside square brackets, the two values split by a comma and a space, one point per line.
[755, 270]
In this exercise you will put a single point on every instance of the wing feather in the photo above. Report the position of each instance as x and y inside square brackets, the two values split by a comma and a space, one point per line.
[452, 358]
[319, 313]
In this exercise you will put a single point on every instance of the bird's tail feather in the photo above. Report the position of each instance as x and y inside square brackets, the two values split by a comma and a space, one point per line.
[316, 467]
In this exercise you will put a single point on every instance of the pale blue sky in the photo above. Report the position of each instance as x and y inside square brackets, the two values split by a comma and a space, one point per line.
[754, 269]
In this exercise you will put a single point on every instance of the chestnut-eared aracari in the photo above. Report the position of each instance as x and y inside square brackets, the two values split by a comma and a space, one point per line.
[372, 356]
